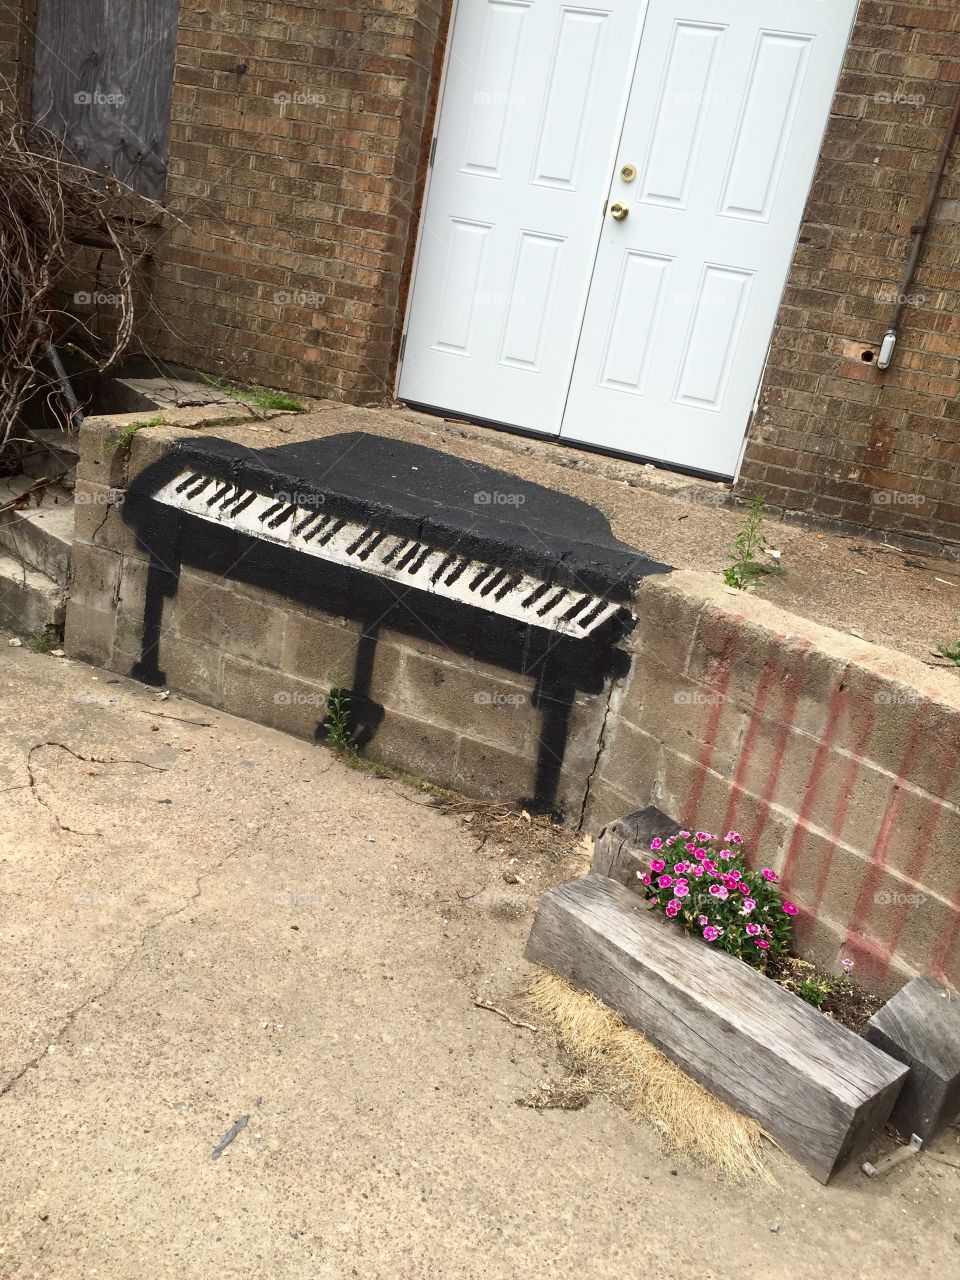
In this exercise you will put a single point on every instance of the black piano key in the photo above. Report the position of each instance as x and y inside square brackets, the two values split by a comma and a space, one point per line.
[242, 505]
[355, 546]
[442, 567]
[484, 573]
[401, 543]
[372, 546]
[494, 582]
[318, 529]
[271, 512]
[230, 498]
[576, 607]
[535, 595]
[191, 480]
[457, 572]
[551, 604]
[594, 613]
[286, 514]
[334, 528]
[308, 520]
[218, 494]
[420, 560]
[408, 556]
[513, 581]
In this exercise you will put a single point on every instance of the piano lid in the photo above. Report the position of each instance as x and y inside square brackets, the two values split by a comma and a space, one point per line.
[438, 499]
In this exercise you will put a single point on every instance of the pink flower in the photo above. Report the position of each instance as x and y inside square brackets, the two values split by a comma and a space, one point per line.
[719, 891]
[711, 934]
[654, 902]
[690, 847]
[673, 906]
[656, 843]
[657, 864]
[665, 882]
[748, 905]
[702, 837]
[684, 834]
[753, 930]
[696, 871]
[671, 842]
[762, 944]
[733, 837]
[703, 920]
[647, 880]
[701, 854]
[768, 874]
[681, 867]
[709, 865]
[789, 909]
[681, 889]
[847, 965]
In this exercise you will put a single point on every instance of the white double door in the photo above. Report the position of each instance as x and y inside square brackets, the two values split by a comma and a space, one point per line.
[612, 210]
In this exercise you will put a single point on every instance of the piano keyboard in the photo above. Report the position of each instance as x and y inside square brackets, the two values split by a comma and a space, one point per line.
[357, 546]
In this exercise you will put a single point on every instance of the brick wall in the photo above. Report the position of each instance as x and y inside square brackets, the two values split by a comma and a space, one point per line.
[297, 135]
[834, 436]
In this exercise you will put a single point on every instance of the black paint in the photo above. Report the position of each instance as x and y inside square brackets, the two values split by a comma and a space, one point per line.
[428, 497]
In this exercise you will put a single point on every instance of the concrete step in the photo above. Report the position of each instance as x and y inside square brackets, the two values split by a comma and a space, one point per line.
[135, 395]
[30, 602]
[38, 536]
[48, 453]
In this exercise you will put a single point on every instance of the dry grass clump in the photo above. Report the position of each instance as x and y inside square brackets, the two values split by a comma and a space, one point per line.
[625, 1065]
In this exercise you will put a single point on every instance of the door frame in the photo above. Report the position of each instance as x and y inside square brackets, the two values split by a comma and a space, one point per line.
[418, 248]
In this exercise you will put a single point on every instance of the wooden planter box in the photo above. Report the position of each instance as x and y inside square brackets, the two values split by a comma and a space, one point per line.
[820, 1090]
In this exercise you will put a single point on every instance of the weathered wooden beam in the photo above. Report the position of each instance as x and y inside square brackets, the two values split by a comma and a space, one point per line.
[817, 1088]
[921, 1027]
[622, 852]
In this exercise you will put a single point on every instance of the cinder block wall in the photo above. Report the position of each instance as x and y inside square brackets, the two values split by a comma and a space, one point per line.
[833, 436]
[838, 761]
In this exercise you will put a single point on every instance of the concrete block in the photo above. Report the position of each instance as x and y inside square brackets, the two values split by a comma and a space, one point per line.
[495, 774]
[207, 610]
[98, 518]
[94, 576]
[920, 1026]
[29, 601]
[496, 711]
[272, 697]
[629, 760]
[424, 750]
[89, 634]
[315, 649]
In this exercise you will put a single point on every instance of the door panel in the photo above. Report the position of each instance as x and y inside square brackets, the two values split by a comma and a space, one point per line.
[724, 127]
[531, 114]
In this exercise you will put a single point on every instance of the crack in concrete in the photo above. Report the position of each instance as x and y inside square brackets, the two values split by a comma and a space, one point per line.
[136, 949]
[601, 743]
[62, 746]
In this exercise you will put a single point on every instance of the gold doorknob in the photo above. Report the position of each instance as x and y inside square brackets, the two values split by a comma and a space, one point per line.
[619, 211]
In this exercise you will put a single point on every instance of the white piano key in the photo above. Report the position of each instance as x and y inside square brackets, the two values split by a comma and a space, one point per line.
[510, 593]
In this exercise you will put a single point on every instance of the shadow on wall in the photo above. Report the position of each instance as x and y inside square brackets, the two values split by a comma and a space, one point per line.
[474, 532]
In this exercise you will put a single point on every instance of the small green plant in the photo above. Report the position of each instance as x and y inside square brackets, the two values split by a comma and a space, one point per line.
[748, 546]
[815, 991]
[44, 641]
[705, 885]
[336, 725]
[951, 651]
[124, 438]
[262, 397]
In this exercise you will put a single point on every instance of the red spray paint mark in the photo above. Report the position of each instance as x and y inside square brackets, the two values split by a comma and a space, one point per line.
[949, 936]
[749, 741]
[843, 807]
[812, 789]
[787, 721]
[878, 858]
[710, 733]
[924, 840]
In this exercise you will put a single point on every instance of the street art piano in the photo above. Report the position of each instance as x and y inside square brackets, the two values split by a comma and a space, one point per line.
[403, 538]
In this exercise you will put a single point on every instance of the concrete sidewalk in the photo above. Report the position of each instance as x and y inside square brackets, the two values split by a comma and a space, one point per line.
[204, 920]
